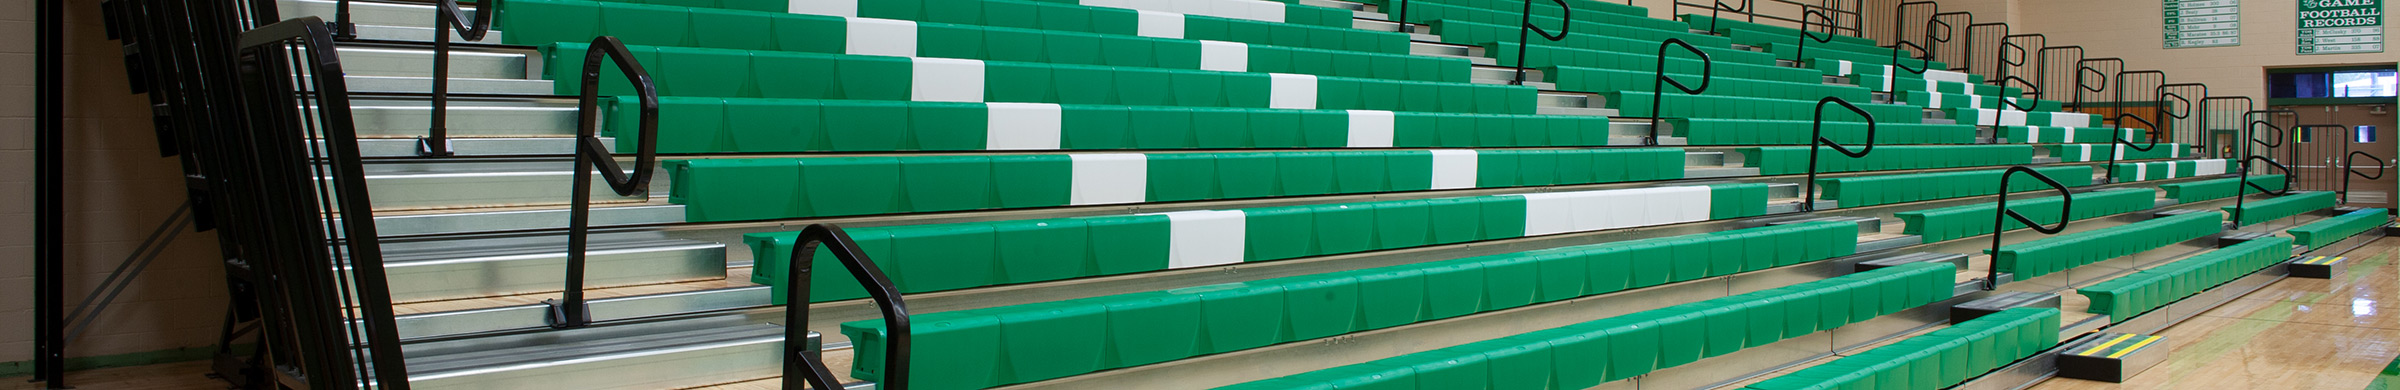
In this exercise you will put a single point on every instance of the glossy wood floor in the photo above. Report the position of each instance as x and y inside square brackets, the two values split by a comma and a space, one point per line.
[2295, 334]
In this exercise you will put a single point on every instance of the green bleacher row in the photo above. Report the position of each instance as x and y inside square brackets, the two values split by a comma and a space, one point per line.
[2011, 117]
[1503, 12]
[1940, 100]
[577, 20]
[774, 188]
[759, 125]
[2072, 135]
[1903, 188]
[1937, 359]
[2162, 170]
[2048, 255]
[1722, 25]
[2207, 190]
[2102, 151]
[698, 72]
[2144, 290]
[1033, 342]
[1951, 223]
[2283, 206]
[939, 257]
[1615, 348]
[1788, 160]
[2321, 233]
[638, 24]
[1708, 131]
[1490, 36]
[1677, 105]
[994, 11]
[1683, 66]
[1888, 78]
[1572, 78]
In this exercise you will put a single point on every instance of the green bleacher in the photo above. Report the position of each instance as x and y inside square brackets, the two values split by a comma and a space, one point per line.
[2279, 207]
[1935, 360]
[2141, 291]
[2318, 235]
[2059, 253]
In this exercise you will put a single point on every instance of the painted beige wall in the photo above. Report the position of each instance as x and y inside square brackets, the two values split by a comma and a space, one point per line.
[2130, 29]
[117, 190]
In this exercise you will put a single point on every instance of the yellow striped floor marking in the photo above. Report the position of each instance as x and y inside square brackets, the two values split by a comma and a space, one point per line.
[2135, 346]
[2097, 348]
[2312, 260]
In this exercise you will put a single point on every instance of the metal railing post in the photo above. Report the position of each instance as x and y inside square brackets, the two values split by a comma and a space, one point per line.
[2066, 207]
[1708, 70]
[572, 310]
[1808, 196]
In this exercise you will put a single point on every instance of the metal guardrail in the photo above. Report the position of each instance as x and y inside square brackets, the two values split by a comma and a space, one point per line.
[1566, 21]
[798, 362]
[1808, 196]
[448, 16]
[1708, 70]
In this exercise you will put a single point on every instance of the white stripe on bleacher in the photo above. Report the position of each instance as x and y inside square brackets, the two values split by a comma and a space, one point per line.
[1933, 100]
[946, 80]
[1976, 101]
[2033, 135]
[1156, 24]
[1021, 126]
[1205, 238]
[1292, 91]
[2141, 172]
[880, 37]
[2011, 118]
[1224, 56]
[824, 7]
[2076, 119]
[1845, 70]
[1949, 76]
[1583, 211]
[2208, 167]
[1263, 11]
[1109, 178]
[1887, 79]
[1453, 169]
[1370, 129]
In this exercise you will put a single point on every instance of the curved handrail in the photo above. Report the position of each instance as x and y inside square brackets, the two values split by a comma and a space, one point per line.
[2350, 165]
[2250, 130]
[2118, 144]
[1708, 70]
[1900, 16]
[572, 310]
[1402, 18]
[2167, 110]
[1720, 6]
[1800, 52]
[2240, 198]
[798, 363]
[2066, 207]
[449, 16]
[1925, 63]
[2118, 107]
[1808, 200]
[1566, 20]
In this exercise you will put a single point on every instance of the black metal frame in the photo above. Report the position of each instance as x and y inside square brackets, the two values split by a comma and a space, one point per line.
[1746, 10]
[2308, 132]
[1970, 62]
[1900, 19]
[1800, 51]
[1934, 44]
[2084, 65]
[2350, 165]
[2066, 209]
[2167, 119]
[49, 267]
[2250, 130]
[2209, 120]
[798, 363]
[572, 310]
[1708, 70]
[1402, 17]
[448, 16]
[1808, 196]
[1925, 64]
[1566, 21]
[287, 202]
[2042, 72]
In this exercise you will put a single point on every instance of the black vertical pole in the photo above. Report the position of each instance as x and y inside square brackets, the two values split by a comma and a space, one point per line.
[50, 343]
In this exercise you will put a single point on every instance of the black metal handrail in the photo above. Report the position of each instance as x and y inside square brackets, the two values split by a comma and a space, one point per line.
[1808, 197]
[1566, 21]
[1745, 9]
[2118, 144]
[1402, 18]
[342, 28]
[2250, 130]
[1969, 59]
[2084, 65]
[2066, 207]
[2167, 116]
[267, 78]
[1934, 43]
[1708, 70]
[798, 363]
[2041, 70]
[2349, 164]
[572, 310]
[1799, 53]
[1926, 61]
[2240, 198]
[449, 16]
[1900, 18]
[2118, 107]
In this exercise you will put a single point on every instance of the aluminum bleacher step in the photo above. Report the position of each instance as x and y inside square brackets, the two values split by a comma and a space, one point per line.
[457, 269]
[641, 357]
[460, 86]
[366, 13]
[411, 62]
[1438, 49]
[416, 186]
[409, 118]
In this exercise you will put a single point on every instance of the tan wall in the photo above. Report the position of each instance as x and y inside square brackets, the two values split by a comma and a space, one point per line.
[117, 190]
[2130, 29]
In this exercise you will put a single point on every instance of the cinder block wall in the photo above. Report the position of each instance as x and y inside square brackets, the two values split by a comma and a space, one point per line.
[118, 189]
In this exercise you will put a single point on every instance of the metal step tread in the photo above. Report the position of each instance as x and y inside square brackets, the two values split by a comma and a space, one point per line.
[566, 361]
